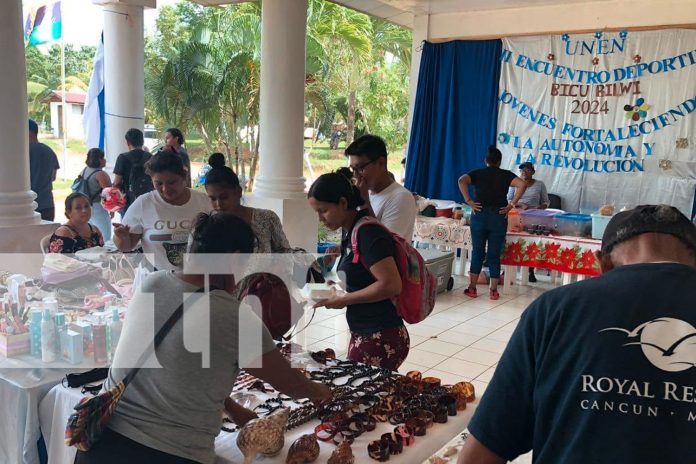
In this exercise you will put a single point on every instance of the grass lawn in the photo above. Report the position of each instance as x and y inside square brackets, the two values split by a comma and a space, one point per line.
[74, 145]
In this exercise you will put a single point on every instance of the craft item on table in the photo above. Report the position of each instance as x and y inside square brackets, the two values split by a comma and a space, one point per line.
[323, 356]
[234, 428]
[113, 199]
[304, 449]
[343, 454]
[265, 435]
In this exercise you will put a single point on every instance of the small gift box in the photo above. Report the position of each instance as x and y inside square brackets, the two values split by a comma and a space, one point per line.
[14, 345]
[71, 346]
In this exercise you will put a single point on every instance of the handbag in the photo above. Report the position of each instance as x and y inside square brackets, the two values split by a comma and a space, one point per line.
[86, 425]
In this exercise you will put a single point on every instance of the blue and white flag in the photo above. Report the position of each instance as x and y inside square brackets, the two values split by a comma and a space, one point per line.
[93, 117]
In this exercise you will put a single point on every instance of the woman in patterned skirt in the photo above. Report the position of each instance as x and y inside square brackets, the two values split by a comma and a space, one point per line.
[378, 334]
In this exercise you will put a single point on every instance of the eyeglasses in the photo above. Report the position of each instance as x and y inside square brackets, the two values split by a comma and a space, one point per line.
[361, 168]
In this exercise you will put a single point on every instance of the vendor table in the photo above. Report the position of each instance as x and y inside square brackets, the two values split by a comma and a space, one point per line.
[21, 391]
[445, 232]
[573, 256]
[59, 402]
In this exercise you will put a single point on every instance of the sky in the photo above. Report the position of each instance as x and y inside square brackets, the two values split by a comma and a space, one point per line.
[83, 22]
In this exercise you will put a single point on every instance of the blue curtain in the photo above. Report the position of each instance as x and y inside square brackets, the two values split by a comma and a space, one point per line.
[455, 115]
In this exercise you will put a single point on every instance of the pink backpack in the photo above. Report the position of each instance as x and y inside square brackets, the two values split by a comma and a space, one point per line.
[418, 284]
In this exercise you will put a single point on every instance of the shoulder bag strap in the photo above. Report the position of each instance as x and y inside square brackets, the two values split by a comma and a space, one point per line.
[163, 331]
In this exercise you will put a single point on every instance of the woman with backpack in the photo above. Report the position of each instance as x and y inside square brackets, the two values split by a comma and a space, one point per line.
[378, 334]
[95, 180]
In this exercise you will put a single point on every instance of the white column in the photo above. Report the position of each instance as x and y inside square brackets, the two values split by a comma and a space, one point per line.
[21, 229]
[283, 30]
[124, 79]
[280, 185]
[16, 199]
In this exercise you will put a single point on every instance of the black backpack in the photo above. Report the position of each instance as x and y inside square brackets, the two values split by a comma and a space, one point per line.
[81, 185]
[139, 182]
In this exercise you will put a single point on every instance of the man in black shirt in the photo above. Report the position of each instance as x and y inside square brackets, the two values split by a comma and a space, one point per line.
[603, 370]
[43, 165]
[123, 170]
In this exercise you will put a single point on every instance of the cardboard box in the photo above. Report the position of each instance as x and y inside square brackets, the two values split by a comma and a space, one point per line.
[14, 345]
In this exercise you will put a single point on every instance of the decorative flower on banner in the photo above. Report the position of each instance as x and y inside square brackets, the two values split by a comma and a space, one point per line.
[637, 59]
[598, 35]
[568, 258]
[665, 164]
[514, 251]
[551, 252]
[623, 34]
[565, 37]
[504, 138]
[588, 259]
[682, 143]
[637, 111]
[113, 199]
[550, 57]
[533, 252]
[595, 61]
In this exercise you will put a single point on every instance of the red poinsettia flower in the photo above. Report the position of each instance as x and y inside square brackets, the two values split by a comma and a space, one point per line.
[514, 252]
[637, 59]
[551, 253]
[595, 61]
[551, 57]
[588, 259]
[568, 258]
[533, 252]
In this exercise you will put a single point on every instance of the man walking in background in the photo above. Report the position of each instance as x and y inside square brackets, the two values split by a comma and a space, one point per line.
[43, 165]
[129, 170]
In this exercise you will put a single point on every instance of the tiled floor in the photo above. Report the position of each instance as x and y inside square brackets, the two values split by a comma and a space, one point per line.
[462, 340]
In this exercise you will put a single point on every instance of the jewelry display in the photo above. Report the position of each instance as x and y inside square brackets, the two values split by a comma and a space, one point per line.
[362, 397]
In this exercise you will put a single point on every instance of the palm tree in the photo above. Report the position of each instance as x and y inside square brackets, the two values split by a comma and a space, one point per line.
[343, 36]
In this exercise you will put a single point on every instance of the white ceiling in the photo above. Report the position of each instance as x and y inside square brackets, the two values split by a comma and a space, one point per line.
[402, 11]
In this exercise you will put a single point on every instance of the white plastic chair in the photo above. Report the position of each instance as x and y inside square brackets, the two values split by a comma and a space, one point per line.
[44, 243]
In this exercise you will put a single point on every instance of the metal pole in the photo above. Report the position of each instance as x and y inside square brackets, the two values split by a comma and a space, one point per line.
[63, 116]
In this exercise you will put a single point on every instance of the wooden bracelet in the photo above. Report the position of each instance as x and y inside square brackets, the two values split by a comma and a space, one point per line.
[378, 450]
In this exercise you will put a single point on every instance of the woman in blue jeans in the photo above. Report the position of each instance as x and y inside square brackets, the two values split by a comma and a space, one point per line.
[489, 221]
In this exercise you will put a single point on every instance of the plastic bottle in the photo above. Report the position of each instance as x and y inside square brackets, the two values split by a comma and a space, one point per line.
[60, 328]
[99, 341]
[48, 338]
[113, 332]
[35, 332]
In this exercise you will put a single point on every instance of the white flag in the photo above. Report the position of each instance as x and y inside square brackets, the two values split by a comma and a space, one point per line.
[93, 117]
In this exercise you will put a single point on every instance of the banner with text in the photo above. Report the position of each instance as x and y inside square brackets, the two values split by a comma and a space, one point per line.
[605, 118]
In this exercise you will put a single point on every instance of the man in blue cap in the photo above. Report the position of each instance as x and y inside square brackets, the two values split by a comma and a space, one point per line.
[43, 165]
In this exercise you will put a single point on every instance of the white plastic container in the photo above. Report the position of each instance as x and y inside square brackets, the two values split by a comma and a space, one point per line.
[599, 223]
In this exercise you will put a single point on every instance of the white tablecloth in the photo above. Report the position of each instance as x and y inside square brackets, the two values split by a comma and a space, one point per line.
[21, 391]
[59, 402]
